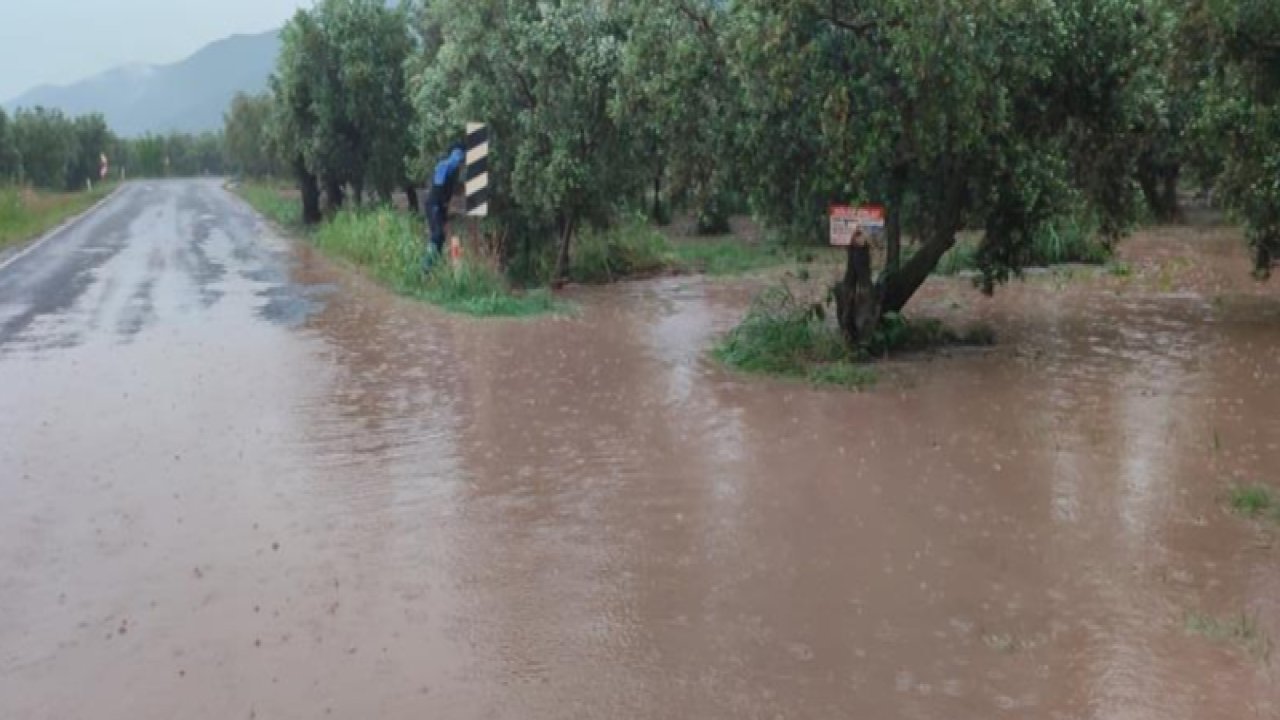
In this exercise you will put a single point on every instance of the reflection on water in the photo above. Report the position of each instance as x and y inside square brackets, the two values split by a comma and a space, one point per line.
[584, 517]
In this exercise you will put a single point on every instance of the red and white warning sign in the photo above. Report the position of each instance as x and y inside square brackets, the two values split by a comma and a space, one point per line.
[855, 225]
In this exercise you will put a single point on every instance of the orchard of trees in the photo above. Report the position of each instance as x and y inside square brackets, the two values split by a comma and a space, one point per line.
[999, 116]
[46, 149]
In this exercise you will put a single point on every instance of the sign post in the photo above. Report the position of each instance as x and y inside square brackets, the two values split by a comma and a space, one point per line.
[477, 186]
[854, 226]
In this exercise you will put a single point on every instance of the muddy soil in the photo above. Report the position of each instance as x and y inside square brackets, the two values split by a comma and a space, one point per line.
[239, 482]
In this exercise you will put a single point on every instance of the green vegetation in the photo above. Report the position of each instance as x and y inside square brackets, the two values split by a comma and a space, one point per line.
[783, 338]
[729, 256]
[27, 213]
[1241, 629]
[1255, 501]
[388, 245]
[1061, 241]
[980, 125]
[633, 249]
[45, 149]
[249, 144]
[1119, 268]
[340, 114]
[272, 201]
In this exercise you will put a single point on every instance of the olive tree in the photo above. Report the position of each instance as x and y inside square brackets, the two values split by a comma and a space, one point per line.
[47, 144]
[93, 139]
[341, 114]
[544, 76]
[246, 126]
[994, 115]
[10, 161]
[1243, 110]
[679, 90]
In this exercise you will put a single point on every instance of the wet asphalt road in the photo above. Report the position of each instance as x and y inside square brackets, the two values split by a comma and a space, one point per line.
[238, 482]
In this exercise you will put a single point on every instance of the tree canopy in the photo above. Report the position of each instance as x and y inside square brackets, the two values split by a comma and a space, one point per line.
[342, 113]
[993, 117]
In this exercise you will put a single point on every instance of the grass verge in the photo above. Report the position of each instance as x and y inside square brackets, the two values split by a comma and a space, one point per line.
[784, 338]
[273, 201]
[388, 246]
[26, 213]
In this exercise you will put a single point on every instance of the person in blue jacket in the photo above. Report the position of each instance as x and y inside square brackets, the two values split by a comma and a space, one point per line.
[444, 182]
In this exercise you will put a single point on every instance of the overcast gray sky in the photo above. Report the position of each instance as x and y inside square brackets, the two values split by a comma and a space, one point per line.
[61, 41]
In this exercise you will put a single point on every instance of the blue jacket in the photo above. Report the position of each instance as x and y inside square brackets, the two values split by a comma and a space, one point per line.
[446, 176]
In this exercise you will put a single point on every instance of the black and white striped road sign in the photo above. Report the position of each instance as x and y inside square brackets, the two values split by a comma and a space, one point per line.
[477, 170]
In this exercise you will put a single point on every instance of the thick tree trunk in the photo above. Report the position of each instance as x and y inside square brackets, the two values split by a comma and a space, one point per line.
[1159, 185]
[857, 297]
[1263, 257]
[309, 187]
[1169, 196]
[333, 192]
[901, 285]
[562, 258]
[657, 197]
[411, 197]
[893, 220]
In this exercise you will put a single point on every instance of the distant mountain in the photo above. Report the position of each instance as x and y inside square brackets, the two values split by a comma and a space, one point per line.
[187, 96]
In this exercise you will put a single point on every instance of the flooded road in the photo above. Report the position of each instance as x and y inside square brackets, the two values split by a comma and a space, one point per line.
[238, 482]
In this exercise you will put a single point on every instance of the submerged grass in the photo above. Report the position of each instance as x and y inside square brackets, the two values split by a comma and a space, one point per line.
[782, 337]
[26, 213]
[1240, 629]
[1254, 501]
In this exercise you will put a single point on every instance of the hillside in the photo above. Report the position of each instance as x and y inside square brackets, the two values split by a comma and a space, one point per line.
[188, 96]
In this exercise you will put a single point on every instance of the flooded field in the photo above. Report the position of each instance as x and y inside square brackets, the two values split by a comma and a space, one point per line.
[241, 483]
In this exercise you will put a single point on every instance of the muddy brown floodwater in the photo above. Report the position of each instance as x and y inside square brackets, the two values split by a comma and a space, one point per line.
[237, 482]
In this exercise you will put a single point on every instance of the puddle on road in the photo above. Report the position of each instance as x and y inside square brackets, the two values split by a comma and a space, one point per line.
[396, 512]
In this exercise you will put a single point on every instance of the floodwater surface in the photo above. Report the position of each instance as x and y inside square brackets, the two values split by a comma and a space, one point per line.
[238, 482]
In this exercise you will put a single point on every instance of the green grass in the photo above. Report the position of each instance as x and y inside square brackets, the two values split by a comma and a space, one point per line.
[26, 213]
[961, 258]
[781, 337]
[843, 373]
[632, 249]
[388, 245]
[898, 334]
[273, 202]
[1241, 629]
[725, 257]
[636, 249]
[1119, 268]
[1069, 239]
[478, 289]
[1254, 501]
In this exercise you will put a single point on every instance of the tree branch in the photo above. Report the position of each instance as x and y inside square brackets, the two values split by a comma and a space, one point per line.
[858, 27]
